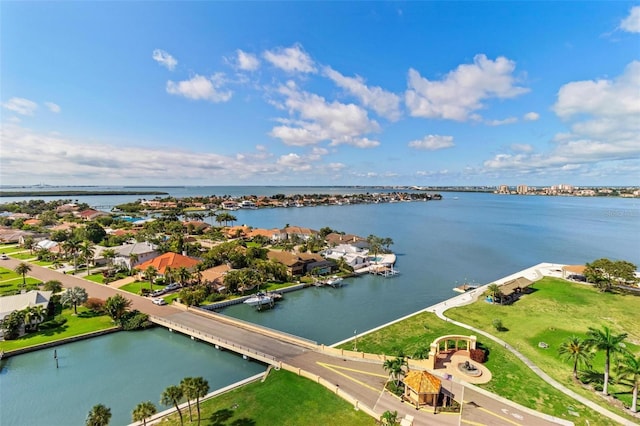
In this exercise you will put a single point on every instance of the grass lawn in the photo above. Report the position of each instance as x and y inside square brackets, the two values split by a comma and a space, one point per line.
[511, 378]
[85, 322]
[11, 249]
[96, 278]
[556, 310]
[6, 274]
[23, 256]
[12, 286]
[283, 399]
[135, 287]
[42, 263]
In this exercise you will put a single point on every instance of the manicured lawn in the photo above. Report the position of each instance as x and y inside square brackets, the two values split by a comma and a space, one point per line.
[556, 310]
[6, 274]
[23, 256]
[96, 278]
[11, 249]
[135, 287]
[511, 378]
[85, 322]
[12, 286]
[283, 399]
[42, 262]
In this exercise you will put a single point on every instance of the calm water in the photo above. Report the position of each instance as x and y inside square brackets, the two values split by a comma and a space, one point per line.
[118, 370]
[465, 237]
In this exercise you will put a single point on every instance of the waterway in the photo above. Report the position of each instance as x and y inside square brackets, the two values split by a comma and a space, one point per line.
[118, 370]
[464, 237]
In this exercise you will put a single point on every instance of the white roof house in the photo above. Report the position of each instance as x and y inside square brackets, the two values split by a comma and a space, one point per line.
[21, 301]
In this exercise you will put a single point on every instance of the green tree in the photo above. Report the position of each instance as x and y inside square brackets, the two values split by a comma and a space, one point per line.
[603, 273]
[611, 344]
[23, 269]
[186, 385]
[87, 251]
[494, 291]
[172, 395]
[577, 351]
[183, 275]
[389, 418]
[12, 325]
[200, 388]
[395, 367]
[72, 247]
[99, 415]
[93, 232]
[109, 254]
[116, 306]
[375, 244]
[74, 296]
[629, 373]
[54, 286]
[143, 411]
[151, 273]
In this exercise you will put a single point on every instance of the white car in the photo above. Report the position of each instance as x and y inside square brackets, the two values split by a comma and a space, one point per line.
[159, 301]
[4, 257]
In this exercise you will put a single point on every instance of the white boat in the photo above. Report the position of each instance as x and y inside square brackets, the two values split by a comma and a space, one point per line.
[259, 300]
[334, 281]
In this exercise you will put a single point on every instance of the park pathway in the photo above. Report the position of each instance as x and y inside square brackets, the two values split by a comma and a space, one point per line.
[534, 273]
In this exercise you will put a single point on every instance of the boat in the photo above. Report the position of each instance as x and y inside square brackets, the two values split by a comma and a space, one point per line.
[259, 300]
[334, 281]
[465, 288]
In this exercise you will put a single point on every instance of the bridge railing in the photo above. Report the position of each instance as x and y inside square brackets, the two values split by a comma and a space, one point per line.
[261, 356]
[255, 327]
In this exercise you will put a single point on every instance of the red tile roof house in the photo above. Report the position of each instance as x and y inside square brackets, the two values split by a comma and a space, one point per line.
[301, 263]
[90, 214]
[170, 259]
[215, 277]
[297, 231]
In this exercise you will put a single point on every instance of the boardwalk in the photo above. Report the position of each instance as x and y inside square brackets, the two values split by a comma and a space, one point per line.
[359, 381]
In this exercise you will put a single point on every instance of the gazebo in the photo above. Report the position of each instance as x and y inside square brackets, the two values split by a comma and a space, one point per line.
[421, 388]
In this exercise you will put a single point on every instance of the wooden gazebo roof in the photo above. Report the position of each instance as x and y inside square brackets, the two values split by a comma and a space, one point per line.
[422, 382]
[510, 287]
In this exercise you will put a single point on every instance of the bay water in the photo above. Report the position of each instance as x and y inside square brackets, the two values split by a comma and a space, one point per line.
[466, 237]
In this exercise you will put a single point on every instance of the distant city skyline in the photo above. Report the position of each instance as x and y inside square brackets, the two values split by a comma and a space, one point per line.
[320, 93]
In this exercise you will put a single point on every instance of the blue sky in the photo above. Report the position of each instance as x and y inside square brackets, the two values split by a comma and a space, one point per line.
[327, 93]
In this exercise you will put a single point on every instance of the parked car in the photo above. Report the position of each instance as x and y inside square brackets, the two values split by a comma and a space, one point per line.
[157, 293]
[4, 257]
[172, 286]
[159, 301]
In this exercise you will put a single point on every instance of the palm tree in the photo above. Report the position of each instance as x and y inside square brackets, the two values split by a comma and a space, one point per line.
[576, 350]
[151, 273]
[23, 269]
[184, 275]
[186, 385]
[133, 259]
[116, 306]
[99, 415]
[72, 247]
[629, 373]
[611, 344]
[200, 389]
[172, 396]
[143, 411]
[169, 275]
[394, 367]
[53, 286]
[74, 296]
[109, 254]
[87, 252]
[493, 290]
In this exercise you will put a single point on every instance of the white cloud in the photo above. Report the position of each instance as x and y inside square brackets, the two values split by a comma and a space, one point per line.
[463, 90]
[55, 108]
[531, 116]
[246, 61]
[314, 119]
[508, 120]
[200, 87]
[631, 23]
[604, 118]
[521, 147]
[432, 142]
[385, 104]
[290, 59]
[164, 59]
[21, 106]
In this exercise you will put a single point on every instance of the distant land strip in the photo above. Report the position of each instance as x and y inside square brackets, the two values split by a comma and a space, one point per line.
[70, 193]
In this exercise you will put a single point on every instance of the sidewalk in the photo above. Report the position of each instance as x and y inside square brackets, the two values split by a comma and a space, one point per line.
[534, 273]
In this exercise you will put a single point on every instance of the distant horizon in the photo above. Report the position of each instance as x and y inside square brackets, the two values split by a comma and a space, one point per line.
[438, 93]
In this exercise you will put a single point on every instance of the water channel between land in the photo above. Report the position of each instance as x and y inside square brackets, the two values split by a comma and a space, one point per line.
[466, 237]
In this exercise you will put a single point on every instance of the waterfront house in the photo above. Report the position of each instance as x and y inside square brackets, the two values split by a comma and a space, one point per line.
[90, 214]
[127, 255]
[295, 265]
[18, 302]
[215, 277]
[273, 235]
[304, 234]
[168, 260]
[335, 239]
